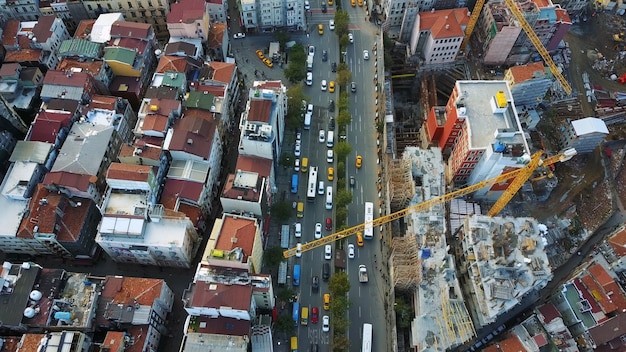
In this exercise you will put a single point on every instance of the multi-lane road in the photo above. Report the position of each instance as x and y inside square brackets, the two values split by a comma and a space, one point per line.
[366, 300]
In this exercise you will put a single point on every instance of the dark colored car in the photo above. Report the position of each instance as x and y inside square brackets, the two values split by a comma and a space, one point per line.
[352, 181]
[324, 7]
[315, 284]
[324, 55]
[325, 271]
[331, 106]
[329, 224]
[333, 67]
[331, 123]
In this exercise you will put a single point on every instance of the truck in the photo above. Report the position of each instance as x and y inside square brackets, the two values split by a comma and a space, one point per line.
[362, 273]
[274, 52]
[309, 63]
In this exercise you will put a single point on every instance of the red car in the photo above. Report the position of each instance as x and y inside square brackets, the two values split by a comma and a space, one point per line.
[329, 224]
[314, 315]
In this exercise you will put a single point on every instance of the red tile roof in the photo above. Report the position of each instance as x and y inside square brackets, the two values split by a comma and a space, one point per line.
[163, 106]
[105, 102]
[223, 71]
[596, 291]
[9, 35]
[47, 125]
[154, 122]
[138, 334]
[30, 342]
[130, 30]
[224, 326]
[184, 189]
[172, 63]
[216, 34]
[618, 242]
[274, 85]
[595, 307]
[237, 233]
[609, 330]
[216, 295]
[91, 67]
[601, 276]
[512, 344]
[129, 172]
[23, 55]
[540, 340]
[562, 15]
[193, 212]
[43, 29]
[218, 91]
[59, 78]
[610, 287]
[9, 69]
[114, 341]
[259, 165]
[186, 11]
[194, 133]
[45, 216]
[232, 192]
[84, 29]
[260, 110]
[132, 43]
[126, 290]
[549, 312]
[526, 72]
[149, 152]
[445, 23]
[67, 179]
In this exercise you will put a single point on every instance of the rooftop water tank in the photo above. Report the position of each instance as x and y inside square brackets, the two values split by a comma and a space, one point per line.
[62, 315]
[29, 312]
[35, 295]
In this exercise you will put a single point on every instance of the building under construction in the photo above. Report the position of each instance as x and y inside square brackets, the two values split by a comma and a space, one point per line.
[502, 260]
[421, 262]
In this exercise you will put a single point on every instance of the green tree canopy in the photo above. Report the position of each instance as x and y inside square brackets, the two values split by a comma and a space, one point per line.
[344, 101]
[340, 217]
[295, 96]
[285, 324]
[343, 75]
[342, 149]
[341, 343]
[339, 284]
[296, 69]
[342, 20]
[344, 197]
[281, 210]
[273, 256]
[344, 118]
[285, 295]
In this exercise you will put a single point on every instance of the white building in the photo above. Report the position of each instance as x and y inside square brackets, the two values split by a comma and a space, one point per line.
[189, 19]
[584, 135]
[248, 14]
[271, 14]
[218, 11]
[438, 35]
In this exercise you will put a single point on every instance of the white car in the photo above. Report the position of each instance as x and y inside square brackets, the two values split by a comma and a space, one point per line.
[325, 323]
[321, 188]
[309, 109]
[366, 55]
[299, 250]
[329, 155]
[318, 231]
[309, 78]
[322, 136]
[351, 251]
[296, 165]
[307, 5]
[239, 35]
[299, 136]
[311, 50]
[328, 252]
[351, 37]
[331, 25]
[324, 86]
[298, 230]
[296, 151]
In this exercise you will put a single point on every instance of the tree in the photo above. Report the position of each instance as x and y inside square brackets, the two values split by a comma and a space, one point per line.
[344, 41]
[285, 295]
[295, 96]
[281, 210]
[340, 216]
[285, 160]
[342, 149]
[344, 101]
[404, 314]
[343, 75]
[344, 118]
[282, 37]
[296, 70]
[284, 323]
[342, 20]
[341, 343]
[341, 173]
[273, 256]
[339, 284]
[344, 197]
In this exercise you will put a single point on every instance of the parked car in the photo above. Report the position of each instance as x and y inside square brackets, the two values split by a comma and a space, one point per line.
[299, 250]
[296, 150]
[331, 124]
[331, 106]
[307, 5]
[239, 35]
[311, 50]
[330, 156]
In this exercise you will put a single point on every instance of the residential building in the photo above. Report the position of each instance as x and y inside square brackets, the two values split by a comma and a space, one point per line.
[52, 124]
[47, 35]
[136, 230]
[151, 12]
[18, 186]
[81, 55]
[213, 76]
[20, 85]
[296, 16]
[249, 190]
[189, 19]
[137, 306]
[238, 238]
[497, 282]
[202, 341]
[130, 51]
[21, 10]
[156, 116]
[78, 86]
[399, 13]
[584, 135]
[196, 152]
[248, 14]
[180, 64]
[70, 341]
[218, 43]
[263, 122]
[22, 46]
[575, 8]
[481, 131]
[185, 47]
[218, 11]
[440, 36]
[114, 111]
[271, 14]
[145, 151]
[557, 332]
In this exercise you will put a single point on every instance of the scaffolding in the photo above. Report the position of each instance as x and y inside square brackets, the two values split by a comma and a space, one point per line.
[407, 266]
[402, 187]
[455, 322]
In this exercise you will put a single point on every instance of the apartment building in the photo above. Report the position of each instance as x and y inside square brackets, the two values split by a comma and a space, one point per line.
[439, 36]
[480, 129]
[584, 135]
[189, 19]
[271, 15]
[249, 190]
[151, 12]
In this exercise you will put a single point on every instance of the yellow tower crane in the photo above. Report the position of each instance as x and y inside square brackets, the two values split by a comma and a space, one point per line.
[529, 32]
[519, 176]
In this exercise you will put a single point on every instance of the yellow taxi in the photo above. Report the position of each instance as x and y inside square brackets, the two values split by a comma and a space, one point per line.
[353, 3]
[331, 86]
[259, 53]
[360, 2]
[331, 173]
[320, 29]
[359, 239]
[359, 161]
[330, 2]
[326, 301]
[268, 62]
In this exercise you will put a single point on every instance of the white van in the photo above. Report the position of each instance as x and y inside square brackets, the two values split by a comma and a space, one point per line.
[330, 139]
[329, 198]
[320, 189]
[298, 227]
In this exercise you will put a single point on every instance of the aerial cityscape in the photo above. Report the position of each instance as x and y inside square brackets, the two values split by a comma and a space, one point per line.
[304, 175]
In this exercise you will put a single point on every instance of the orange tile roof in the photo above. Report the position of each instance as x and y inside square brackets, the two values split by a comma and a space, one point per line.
[172, 63]
[542, 3]
[562, 15]
[259, 165]
[598, 294]
[130, 289]
[105, 102]
[198, 127]
[30, 342]
[618, 242]
[23, 55]
[526, 72]
[260, 110]
[59, 78]
[270, 85]
[84, 29]
[512, 344]
[68, 179]
[9, 35]
[218, 91]
[601, 276]
[154, 122]
[216, 34]
[215, 295]
[91, 67]
[223, 71]
[138, 334]
[237, 233]
[149, 152]
[126, 29]
[129, 172]
[444, 23]
[114, 341]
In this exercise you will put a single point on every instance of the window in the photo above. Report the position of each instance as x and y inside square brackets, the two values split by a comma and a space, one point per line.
[130, 5]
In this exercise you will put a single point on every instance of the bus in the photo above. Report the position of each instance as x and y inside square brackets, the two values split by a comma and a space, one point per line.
[367, 338]
[368, 233]
[296, 313]
[312, 184]
[296, 275]
[294, 183]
